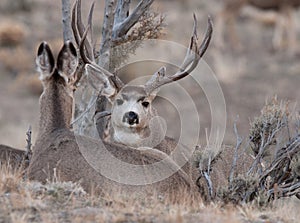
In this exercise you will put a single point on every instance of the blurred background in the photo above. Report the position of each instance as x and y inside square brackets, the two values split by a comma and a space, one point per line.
[249, 72]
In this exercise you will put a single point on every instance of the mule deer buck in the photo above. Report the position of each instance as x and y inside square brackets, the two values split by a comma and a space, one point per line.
[58, 152]
[284, 21]
[134, 121]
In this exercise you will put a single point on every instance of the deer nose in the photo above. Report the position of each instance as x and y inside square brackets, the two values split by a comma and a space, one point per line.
[131, 118]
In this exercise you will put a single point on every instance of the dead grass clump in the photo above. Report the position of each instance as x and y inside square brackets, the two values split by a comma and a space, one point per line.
[274, 170]
[237, 191]
[12, 33]
[58, 192]
[9, 179]
[16, 60]
[263, 129]
[55, 201]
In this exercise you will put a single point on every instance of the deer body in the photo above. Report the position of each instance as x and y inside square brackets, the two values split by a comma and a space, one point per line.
[235, 5]
[12, 156]
[284, 21]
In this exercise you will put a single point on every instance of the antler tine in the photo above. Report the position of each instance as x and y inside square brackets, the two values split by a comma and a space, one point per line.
[192, 47]
[73, 24]
[84, 57]
[115, 79]
[79, 28]
[85, 48]
[90, 21]
[194, 50]
[207, 38]
[190, 62]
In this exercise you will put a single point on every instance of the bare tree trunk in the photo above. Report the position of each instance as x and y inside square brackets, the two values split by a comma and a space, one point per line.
[116, 26]
[108, 24]
[117, 23]
[66, 20]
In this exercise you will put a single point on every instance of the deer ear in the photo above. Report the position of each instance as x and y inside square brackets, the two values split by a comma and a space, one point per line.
[67, 62]
[45, 61]
[98, 80]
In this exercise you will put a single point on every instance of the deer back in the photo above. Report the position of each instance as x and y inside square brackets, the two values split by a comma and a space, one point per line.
[13, 157]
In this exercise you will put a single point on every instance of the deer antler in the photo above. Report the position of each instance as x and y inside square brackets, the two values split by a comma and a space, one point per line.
[85, 46]
[78, 27]
[190, 62]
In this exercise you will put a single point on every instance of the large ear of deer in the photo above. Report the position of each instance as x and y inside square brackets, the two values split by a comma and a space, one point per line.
[67, 63]
[100, 81]
[45, 61]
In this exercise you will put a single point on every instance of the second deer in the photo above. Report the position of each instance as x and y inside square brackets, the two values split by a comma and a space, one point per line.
[284, 20]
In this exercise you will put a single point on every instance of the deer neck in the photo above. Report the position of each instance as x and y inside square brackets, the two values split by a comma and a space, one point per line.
[129, 136]
[56, 105]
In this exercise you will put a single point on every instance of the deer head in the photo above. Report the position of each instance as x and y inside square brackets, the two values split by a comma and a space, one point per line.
[132, 112]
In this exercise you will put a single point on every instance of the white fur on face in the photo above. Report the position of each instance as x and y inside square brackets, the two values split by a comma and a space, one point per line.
[132, 104]
[123, 131]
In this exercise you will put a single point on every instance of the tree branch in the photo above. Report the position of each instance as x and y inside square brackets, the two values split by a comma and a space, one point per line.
[66, 20]
[121, 28]
[239, 141]
[209, 185]
[28, 152]
[107, 30]
[122, 11]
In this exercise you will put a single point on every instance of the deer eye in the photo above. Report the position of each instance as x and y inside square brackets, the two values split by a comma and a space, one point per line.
[145, 104]
[119, 101]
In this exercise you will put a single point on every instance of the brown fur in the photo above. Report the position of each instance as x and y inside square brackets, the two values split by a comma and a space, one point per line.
[60, 151]
[232, 8]
[235, 5]
[273, 4]
[11, 156]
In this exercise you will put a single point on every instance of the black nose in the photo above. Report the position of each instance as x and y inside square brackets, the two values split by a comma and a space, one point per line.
[131, 117]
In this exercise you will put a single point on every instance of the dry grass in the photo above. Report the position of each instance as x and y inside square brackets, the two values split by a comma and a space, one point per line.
[271, 173]
[24, 201]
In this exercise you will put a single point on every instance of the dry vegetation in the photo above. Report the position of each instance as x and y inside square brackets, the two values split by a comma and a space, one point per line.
[24, 201]
[273, 170]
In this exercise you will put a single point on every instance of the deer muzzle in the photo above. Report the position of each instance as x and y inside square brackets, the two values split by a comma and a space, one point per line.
[131, 118]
